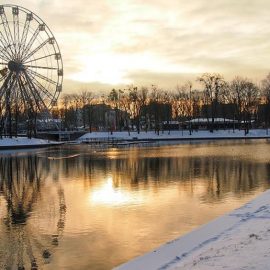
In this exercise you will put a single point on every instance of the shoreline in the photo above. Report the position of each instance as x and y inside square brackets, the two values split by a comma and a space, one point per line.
[14, 147]
[215, 245]
[25, 143]
[122, 137]
[197, 139]
[151, 136]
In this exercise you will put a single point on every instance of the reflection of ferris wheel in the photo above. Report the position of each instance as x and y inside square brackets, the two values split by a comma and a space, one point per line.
[31, 68]
[28, 238]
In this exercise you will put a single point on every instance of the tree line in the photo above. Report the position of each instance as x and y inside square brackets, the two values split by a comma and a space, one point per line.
[146, 108]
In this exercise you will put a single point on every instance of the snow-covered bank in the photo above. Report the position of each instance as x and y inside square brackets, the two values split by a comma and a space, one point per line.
[23, 142]
[239, 240]
[176, 135]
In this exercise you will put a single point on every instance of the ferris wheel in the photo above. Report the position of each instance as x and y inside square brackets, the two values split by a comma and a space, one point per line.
[31, 67]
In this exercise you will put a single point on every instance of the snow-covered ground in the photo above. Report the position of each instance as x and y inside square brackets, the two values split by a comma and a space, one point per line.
[239, 240]
[176, 134]
[24, 142]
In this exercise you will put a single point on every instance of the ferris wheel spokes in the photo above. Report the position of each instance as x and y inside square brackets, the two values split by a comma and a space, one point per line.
[16, 30]
[28, 19]
[42, 77]
[3, 55]
[6, 48]
[31, 41]
[4, 85]
[7, 28]
[26, 98]
[3, 78]
[36, 59]
[38, 101]
[35, 50]
[41, 67]
[39, 86]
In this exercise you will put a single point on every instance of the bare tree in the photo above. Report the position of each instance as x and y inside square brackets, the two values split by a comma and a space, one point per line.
[83, 102]
[138, 99]
[113, 100]
[266, 95]
[181, 103]
[124, 105]
[245, 93]
[68, 113]
[250, 103]
[185, 103]
[213, 84]
[155, 100]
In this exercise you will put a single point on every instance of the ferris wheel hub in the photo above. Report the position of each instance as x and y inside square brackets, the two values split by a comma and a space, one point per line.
[15, 66]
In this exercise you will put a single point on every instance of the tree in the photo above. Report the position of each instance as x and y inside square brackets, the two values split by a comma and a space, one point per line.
[237, 87]
[155, 100]
[138, 99]
[180, 103]
[250, 103]
[213, 83]
[124, 106]
[113, 99]
[184, 103]
[245, 93]
[68, 113]
[167, 100]
[266, 94]
[85, 98]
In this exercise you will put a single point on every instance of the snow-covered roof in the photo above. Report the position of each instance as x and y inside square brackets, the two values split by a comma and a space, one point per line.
[209, 120]
[49, 120]
[171, 122]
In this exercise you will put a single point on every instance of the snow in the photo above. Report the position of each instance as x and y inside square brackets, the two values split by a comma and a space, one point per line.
[175, 135]
[239, 240]
[216, 120]
[24, 142]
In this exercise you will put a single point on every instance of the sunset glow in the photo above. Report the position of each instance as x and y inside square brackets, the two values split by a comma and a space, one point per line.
[108, 195]
[109, 43]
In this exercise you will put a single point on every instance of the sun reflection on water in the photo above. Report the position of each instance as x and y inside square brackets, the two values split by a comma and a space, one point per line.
[107, 194]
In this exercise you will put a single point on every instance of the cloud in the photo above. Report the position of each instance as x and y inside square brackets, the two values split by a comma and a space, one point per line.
[167, 81]
[141, 41]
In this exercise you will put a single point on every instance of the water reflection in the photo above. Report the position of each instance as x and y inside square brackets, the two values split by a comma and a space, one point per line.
[23, 245]
[110, 194]
[113, 174]
[121, 202]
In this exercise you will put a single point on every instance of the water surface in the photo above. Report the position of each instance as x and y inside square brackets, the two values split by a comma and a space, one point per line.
[81, 207]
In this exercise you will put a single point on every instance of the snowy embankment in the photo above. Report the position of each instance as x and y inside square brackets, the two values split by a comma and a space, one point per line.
[175, 135]
[23, 142]
[239, 240]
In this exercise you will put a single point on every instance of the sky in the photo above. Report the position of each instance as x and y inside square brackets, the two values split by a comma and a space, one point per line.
[107, 44]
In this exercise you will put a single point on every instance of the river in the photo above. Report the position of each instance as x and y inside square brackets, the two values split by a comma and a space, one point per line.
[90, 207]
